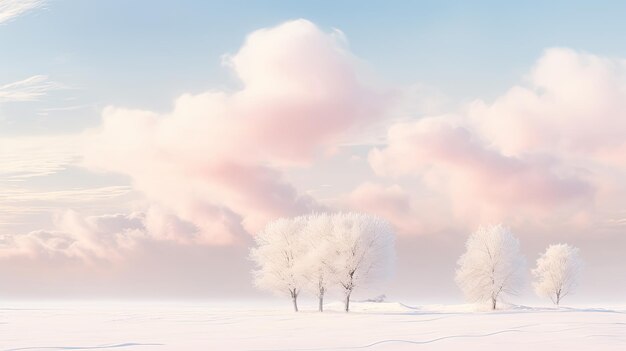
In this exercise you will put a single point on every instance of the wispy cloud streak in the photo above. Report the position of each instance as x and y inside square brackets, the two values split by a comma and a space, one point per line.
[29, 89]
[10, 9]
[26, 157]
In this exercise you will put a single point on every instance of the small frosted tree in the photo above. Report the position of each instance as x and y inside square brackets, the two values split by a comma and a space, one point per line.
[364, 250]
[556, 274]
[318, 270]
[279, 256]
[491, 266]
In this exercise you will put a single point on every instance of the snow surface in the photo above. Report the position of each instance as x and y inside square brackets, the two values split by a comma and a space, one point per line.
[371, 326]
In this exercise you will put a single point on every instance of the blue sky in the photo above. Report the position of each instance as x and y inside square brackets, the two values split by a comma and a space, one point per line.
[437, 115]
[144, 53]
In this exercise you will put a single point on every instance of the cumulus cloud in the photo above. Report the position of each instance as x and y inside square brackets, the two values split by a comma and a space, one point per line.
[10, 9]
[392, 202]
[574, 105]
[76, 236]
[451, 158]
[215, 160]
[553, 145]
[106, 237]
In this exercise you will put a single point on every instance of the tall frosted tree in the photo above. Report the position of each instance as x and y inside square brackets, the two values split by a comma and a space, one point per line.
[491, 266]
[279, 254]
[364, 251]
[557, 271]
[318, 270]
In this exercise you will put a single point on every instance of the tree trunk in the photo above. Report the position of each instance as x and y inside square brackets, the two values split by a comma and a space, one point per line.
[322, 290]
[348, 301]
[558, 297]
[294, 298]
[321, 306]
[493, 303]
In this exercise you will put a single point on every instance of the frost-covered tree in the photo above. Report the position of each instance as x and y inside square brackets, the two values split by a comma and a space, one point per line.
[364, 250]
[279, 254]
[318, 251]
[491, 266]
[556, 274]
[319, 271]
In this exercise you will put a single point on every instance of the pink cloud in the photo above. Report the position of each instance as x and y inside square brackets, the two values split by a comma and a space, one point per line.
[213, 160]
[550, 149]
[390, 202]
[572, 108]
[87, 238]
[573, 105]
[479, 180]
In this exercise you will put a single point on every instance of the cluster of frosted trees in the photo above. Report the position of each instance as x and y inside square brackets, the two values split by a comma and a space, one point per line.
[322, 252]
[492, 266]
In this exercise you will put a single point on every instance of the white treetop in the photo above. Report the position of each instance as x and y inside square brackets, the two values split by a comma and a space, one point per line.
[364, 250]
[491, 266]
[557, 271]
[279, 256]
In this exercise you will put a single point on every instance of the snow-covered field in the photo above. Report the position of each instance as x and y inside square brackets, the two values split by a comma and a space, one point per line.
[371, 326]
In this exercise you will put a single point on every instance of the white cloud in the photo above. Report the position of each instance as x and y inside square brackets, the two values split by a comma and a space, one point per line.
[572, 105]
[10, 9]
[88, 238]
[550, 151]
[107, 237]
[212, 169]
[217, 159]
[29, 89]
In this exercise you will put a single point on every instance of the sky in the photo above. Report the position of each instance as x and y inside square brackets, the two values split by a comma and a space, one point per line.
[144, 143]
